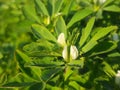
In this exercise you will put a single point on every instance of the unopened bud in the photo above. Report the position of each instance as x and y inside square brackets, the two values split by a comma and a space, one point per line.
[102, 1]
[61, 39]
[47, 20]
[73, 52]
[65, 53]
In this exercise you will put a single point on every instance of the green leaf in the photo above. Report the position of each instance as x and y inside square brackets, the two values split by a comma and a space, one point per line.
[80, 79]
[45, 63]
[51, 7]
[61, 26]
[54, 7]
[68, 73]
[42, 32]
[75, 85]
[44, 53]
[40, 45]
[23, 56]
[79, 16]
[46, 75]
[42, 48]
[58, 5]
[55, 88]
[31, 72]
[86, 32]
[37, 86]
[95, 30]
[18, 81]
[103, 32]
[112, 8]
[89, 46]
[98, 35]
[115, 54]
[77, 63]
[103, 47]
[107, 2]
[41, 7]
[108, 69]
[30, 13]
[3, 78]
[68, 6]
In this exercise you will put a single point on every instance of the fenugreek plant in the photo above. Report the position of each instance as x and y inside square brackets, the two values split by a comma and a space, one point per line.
[67, 54]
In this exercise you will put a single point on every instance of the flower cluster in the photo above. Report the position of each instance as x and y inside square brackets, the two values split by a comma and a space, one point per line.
[73, 50]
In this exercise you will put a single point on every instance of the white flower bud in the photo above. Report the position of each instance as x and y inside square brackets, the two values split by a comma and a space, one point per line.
[61, 39]
[65, 53]
[117, 78]
[102, 1]
[73, 52]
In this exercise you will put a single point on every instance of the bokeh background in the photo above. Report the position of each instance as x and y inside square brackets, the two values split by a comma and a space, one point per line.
[15, 29]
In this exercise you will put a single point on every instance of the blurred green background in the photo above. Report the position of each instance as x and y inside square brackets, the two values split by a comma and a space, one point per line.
[15, 31]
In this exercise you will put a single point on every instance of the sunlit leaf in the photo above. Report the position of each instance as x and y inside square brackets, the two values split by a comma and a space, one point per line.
[42, 32]
[115, 54]
[79, 79]
[112, 8]
[77, 63]
[75, 85]
[58, 6]
[79, 16]
[68, 73]
[41, 6]
[30, 13]
[89, 46]
[61, 26]
[86, 32]
[108, 69]
[68, 6]
[103, 32]
[107, 2]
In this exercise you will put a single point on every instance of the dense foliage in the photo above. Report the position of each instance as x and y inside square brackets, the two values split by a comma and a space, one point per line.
[59, 44]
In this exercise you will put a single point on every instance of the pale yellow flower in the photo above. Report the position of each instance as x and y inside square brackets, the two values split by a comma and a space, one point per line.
[61, 39]
[102, 1]
[73, 52]
[65, 53]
